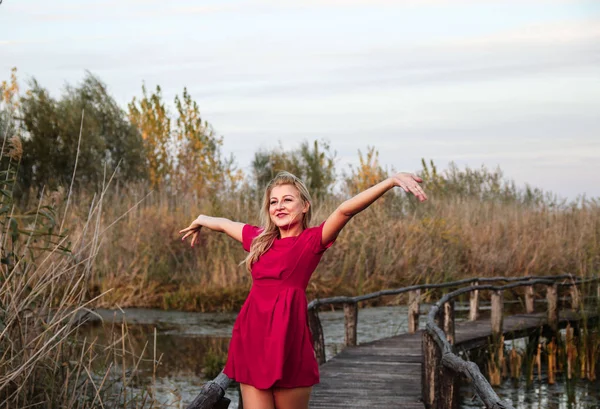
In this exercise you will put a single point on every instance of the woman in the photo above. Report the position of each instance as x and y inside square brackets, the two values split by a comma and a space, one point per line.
[271, 350]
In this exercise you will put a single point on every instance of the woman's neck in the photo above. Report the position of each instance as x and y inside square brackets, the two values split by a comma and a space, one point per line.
[292, 231]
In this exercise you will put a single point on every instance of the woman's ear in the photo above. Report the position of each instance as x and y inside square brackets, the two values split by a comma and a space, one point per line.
[306, 207]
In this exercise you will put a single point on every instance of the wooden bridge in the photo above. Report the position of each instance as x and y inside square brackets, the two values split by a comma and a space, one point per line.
[420, 369]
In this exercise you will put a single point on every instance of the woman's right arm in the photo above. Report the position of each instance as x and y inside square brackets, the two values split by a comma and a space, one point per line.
[220, 224]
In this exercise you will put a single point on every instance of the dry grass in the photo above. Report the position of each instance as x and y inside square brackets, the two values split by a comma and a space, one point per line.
[44, 296]
[395, 242]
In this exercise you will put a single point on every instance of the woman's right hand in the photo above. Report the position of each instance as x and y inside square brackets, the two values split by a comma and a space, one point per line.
[192, 230]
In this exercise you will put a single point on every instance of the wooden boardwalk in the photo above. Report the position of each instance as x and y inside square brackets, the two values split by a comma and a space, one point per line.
[387, 373]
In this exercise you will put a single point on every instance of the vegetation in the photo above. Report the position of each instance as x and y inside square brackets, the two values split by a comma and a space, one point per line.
[169, 167]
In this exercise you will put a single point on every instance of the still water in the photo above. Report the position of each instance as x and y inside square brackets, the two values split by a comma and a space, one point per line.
[184, 339]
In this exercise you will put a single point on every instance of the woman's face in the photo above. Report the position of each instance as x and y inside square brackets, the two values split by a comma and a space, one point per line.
[286, 207]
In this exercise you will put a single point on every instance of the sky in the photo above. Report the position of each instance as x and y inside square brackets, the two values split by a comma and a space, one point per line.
[510, 83]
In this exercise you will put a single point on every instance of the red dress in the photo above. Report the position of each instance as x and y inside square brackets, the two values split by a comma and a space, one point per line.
[271, 344]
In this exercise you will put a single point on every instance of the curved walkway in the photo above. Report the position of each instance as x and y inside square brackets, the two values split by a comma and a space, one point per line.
[386, 374]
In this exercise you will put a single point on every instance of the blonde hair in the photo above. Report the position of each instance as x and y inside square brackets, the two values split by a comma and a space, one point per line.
[265, 239]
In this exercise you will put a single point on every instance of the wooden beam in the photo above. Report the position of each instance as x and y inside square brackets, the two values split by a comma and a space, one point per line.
[474, 303]
[529, 299]
[449, 388]
[449, 321]
[211, 395]
[350, 320]
[414, 299]
[552, 298]
[497, 313]
[430, 371]
[317, 334]
[575, 297]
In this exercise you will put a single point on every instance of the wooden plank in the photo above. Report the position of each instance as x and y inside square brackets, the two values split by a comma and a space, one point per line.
[387, 373]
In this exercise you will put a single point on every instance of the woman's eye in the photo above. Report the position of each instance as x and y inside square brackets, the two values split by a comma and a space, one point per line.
[288, 200]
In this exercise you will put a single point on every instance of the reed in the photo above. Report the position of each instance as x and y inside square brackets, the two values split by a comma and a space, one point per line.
[45, 272]
[393, 243]
[567, 356]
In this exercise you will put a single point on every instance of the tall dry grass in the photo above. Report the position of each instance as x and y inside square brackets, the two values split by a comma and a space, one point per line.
[45, 273]
[395, 242]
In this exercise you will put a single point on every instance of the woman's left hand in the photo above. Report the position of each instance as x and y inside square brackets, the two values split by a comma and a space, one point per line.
[410, 184]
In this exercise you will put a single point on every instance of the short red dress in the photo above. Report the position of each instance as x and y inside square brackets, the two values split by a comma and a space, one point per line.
[271, 344]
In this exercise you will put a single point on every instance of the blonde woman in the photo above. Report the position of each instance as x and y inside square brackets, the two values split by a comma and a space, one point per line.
[271, 350]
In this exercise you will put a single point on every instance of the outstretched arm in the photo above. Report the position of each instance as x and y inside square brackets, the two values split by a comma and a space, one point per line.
[338, 219]
[220, 224]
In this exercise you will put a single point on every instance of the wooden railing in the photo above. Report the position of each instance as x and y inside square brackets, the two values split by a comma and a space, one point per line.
[440, 364]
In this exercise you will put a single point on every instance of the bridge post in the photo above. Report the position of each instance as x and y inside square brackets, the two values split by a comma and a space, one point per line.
[414, 298]
[430, 372]
[529, 298]
[317, 333]
[497, 313]
[449, 321]
[474, 303]
[552, 298]
[575, 299]
[350, 320]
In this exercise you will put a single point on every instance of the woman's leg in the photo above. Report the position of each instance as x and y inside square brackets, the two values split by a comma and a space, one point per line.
[256, 398]
[291, 398]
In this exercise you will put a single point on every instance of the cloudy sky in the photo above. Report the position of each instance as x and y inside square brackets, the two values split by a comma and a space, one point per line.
[514, 84]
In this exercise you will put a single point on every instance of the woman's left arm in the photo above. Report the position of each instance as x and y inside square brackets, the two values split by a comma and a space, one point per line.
[338, 219]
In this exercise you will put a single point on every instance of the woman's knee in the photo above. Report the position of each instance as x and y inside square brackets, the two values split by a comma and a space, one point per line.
[254, 398]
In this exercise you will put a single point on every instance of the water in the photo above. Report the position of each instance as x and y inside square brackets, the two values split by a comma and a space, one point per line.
[184, 338]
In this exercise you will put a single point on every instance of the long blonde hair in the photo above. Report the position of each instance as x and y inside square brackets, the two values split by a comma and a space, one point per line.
[265, 239]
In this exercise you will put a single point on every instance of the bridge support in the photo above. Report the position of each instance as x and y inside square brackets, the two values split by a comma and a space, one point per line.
[317, 333]
[474, 303]
[350, 320]
[529, 298]
[449, 321]
[552, 299]
[440, 388]
[575, 298]
[414, 298]
[497, 313]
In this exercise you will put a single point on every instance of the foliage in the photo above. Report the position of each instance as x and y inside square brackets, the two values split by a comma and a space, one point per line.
[183, 151]
[313, 163]
[368, 173]
[200, 164]
[150, 116]
[52, 130]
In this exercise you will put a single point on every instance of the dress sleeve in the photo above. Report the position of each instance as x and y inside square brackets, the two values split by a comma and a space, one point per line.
[249, 232]
[316, 240]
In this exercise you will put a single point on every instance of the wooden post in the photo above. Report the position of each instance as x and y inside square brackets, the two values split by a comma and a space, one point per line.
[552, 298]
[317, 334]
[430, 371]
[414, 298]
[449, 321]
[449, 388]
[474, 303]
[529, 298]
[350, 320]
[497, 313]
[575, 298]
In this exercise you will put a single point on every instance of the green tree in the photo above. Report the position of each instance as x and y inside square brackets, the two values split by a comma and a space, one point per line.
[314, 163]
[200, 165]
[52, 128]
[150, 116]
